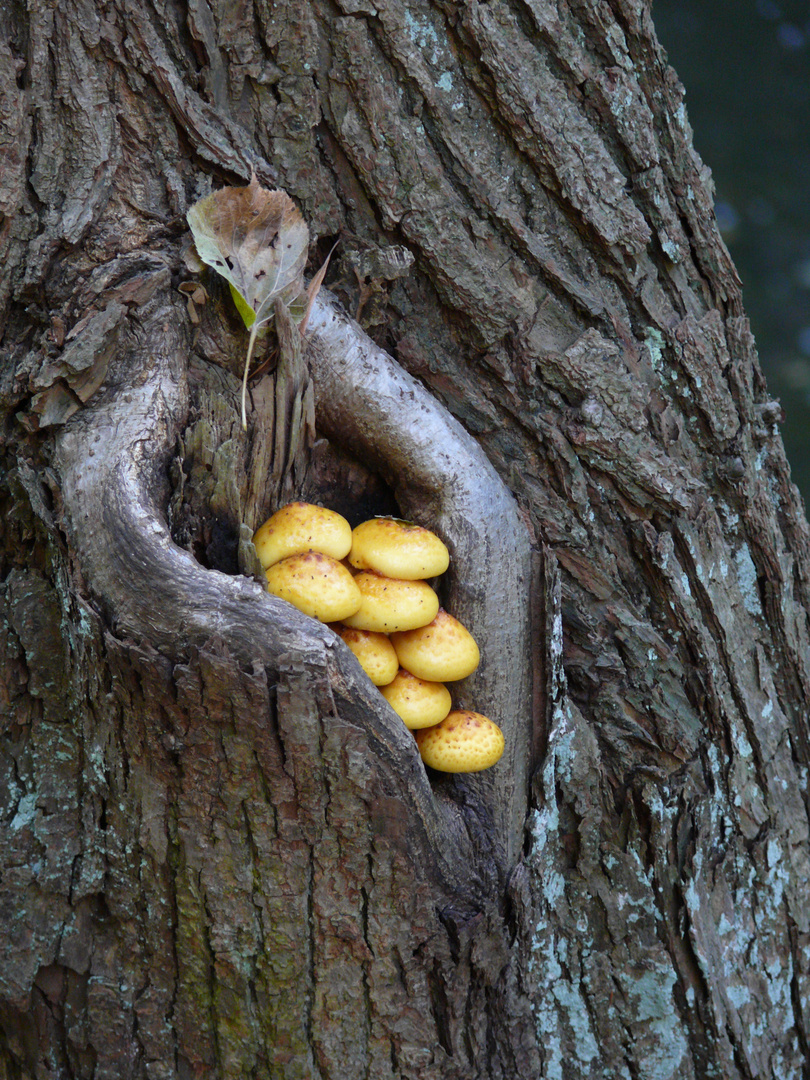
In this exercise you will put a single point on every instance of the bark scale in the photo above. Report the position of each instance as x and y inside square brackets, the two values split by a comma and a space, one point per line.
[221, 856]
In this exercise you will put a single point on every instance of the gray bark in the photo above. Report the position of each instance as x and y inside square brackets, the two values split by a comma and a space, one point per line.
[221, 855]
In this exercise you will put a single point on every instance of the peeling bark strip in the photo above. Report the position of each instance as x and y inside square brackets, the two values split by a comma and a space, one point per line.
[207, 865]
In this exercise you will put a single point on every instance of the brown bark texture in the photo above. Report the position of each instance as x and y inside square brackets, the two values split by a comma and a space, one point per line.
[220, 853]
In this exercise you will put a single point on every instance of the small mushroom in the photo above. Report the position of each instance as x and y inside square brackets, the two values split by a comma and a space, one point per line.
[463, 742]
[374, 653]
[420, 704]
[442, 651]
[392, 604]
[398, 549]
[299, 527]
[316, 584]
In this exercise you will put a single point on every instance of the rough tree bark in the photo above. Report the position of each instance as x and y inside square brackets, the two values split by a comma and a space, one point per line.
[221, 855]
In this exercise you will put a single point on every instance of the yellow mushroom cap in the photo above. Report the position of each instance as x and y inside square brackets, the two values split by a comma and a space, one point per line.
[463, 742]
[374, 653]
[420, 704]
[398, 549]
[316, 584]
[442, 651]
[390, 604]
[299, 527]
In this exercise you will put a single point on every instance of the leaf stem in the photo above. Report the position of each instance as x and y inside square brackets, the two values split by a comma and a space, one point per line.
[251, 344]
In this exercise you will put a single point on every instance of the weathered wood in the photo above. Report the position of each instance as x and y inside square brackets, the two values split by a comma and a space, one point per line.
[221, 855]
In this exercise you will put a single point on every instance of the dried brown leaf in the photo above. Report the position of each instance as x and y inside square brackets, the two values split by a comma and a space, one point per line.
[257, 240]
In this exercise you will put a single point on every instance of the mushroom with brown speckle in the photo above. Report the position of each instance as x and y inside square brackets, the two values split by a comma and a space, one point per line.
[398, 549]
[299, 527]
[442, 651]
[389, 604]
[419, 703]
[463, 742]
[316, 584]
[375, 653]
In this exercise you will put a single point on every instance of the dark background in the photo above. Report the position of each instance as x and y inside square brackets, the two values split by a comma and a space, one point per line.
[746, 68]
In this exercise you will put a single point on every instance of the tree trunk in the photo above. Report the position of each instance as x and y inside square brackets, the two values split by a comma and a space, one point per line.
[221, 853]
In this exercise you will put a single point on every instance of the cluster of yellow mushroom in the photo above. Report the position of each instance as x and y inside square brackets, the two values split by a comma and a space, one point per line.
[370, 585]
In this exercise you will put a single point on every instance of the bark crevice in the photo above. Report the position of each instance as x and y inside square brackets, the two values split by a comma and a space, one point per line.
[112, 463]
